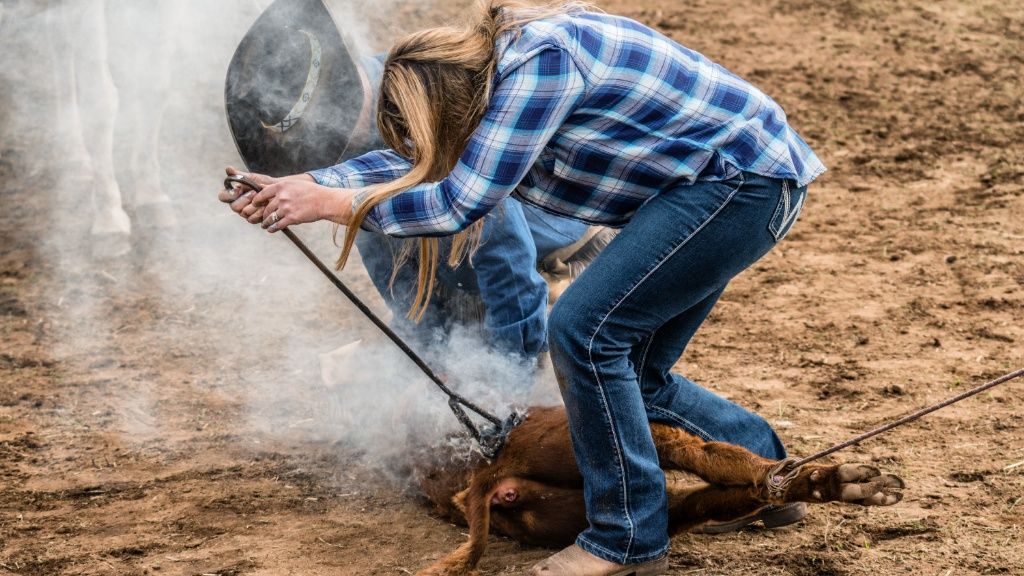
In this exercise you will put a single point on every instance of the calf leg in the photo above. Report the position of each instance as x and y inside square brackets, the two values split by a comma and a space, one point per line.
[727, 465]
[716, 462]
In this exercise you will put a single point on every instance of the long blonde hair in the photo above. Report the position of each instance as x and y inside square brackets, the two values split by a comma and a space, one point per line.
[435, 89]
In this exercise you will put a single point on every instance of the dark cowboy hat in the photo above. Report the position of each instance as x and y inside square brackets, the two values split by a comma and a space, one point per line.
[296, 97]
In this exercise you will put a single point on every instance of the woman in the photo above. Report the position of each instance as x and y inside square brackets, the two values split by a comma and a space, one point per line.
[601, 119]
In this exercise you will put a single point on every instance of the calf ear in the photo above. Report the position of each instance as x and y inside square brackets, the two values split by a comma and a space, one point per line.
[459, 500]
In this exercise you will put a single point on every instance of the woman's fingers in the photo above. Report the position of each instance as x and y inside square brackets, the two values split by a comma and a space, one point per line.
[280, 203]
[243, 202]
[238, 189]
[272, 213]
[281, 224]
[231, 193]
[261, 179]
[228, 195]
[268, 193]
[257, 216]
[280, 219]
[250, 204]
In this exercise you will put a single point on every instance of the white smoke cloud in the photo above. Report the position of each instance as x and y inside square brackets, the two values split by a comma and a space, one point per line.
[215, 282]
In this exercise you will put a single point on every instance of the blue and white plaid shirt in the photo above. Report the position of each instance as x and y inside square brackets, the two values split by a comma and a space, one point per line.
[591, 116]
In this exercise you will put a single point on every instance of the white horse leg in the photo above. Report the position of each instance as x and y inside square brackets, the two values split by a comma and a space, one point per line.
[97, 105]
[67, 125]
[141, 64]
[144, 111]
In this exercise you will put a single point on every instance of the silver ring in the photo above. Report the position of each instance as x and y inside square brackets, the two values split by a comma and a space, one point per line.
[274, 217]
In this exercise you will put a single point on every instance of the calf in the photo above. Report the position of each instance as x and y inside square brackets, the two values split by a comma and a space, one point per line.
[533, 491]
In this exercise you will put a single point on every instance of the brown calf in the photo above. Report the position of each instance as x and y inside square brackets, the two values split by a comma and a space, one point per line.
[533, 491]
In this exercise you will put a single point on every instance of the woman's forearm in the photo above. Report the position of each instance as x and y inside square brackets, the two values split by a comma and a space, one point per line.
[335, 204]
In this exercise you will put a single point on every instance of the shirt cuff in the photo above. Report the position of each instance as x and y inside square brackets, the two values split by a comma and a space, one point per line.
[369, 223]
[330, 177]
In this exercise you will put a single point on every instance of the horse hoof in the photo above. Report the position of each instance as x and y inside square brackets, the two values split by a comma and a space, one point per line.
[156, 216]
[110, 246]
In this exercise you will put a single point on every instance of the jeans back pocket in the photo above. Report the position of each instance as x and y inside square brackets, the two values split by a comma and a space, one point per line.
[791, 202]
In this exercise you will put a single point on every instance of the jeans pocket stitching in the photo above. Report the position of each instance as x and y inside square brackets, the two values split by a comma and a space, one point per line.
[793, 214]
[785, 213]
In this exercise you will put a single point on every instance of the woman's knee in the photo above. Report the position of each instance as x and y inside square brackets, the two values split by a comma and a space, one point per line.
[564, 337]
[579, 333]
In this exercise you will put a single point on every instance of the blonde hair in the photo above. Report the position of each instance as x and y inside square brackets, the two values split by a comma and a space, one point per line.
[435, 89]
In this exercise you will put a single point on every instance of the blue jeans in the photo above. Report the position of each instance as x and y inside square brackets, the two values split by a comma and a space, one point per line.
[618, 330]
[501, 275]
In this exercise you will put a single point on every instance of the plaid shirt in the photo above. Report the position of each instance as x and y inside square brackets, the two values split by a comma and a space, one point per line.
[591, 116]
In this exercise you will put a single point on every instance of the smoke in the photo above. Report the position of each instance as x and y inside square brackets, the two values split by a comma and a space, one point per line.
[240, 304]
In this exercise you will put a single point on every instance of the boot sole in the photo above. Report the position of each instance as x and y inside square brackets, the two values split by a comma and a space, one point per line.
[777, 518]
[652, 568]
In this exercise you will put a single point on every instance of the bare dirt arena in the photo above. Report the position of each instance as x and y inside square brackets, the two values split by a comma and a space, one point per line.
[160, 414]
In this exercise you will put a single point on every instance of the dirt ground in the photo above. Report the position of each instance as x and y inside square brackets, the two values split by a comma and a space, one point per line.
[135, 450]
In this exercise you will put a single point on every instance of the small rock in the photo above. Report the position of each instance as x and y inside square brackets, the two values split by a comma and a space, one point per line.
[950, 259]
[894, 390]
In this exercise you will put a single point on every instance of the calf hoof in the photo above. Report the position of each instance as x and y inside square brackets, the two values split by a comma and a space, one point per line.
[110, 246]
[850, 483]
[156, 216]
[853, 484]
[867, 486]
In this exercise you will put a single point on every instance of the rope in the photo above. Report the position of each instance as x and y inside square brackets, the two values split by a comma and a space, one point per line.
[779, 479]
[490, 440]
[908, 418]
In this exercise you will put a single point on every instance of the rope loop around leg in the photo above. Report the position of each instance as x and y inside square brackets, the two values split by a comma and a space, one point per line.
[780, 477]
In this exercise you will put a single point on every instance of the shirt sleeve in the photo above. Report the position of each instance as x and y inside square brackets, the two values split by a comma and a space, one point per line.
[530, 103]
[370, 168]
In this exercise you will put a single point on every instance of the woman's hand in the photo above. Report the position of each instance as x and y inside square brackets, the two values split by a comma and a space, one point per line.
[285, 201]
[240, 197]
[297, 200]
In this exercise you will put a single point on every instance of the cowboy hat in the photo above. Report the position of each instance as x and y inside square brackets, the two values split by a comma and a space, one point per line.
[296, 97]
